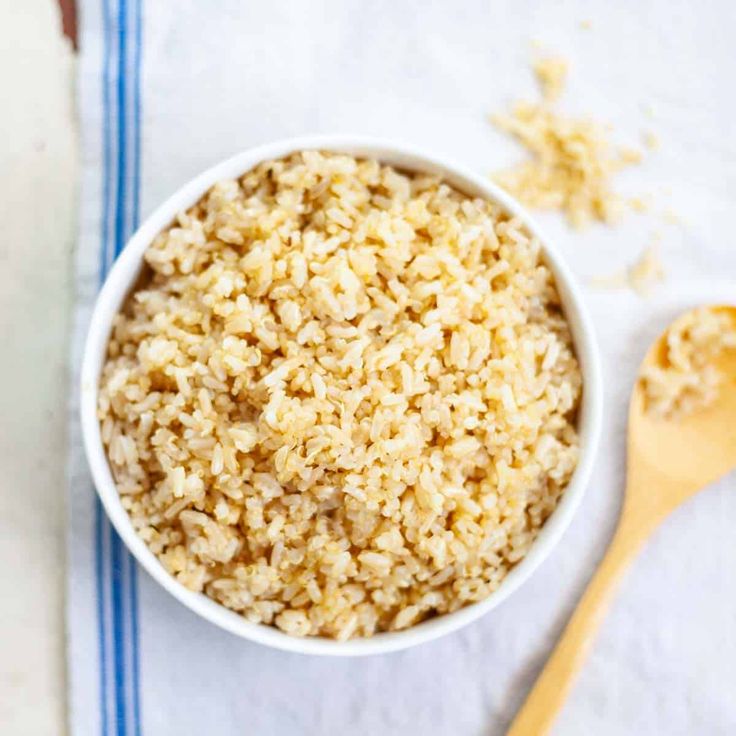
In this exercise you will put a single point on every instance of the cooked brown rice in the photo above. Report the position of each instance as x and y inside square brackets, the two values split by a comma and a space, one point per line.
[641, 276]
[572, 161]
[689, 378]
[343, 398]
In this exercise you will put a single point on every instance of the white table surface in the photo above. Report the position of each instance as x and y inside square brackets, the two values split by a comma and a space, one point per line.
[38, 212]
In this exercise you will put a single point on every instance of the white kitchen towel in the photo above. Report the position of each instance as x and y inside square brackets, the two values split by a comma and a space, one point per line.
[166, 88]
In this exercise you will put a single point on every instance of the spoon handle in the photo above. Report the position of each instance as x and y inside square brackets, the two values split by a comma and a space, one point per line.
[550, 691]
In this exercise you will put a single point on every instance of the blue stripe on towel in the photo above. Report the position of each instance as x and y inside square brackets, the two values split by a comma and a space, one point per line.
[99, 570]
[137, 36]
[101, 523]
[115, 568]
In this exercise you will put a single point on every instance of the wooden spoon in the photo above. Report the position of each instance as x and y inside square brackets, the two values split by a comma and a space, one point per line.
[669, 460]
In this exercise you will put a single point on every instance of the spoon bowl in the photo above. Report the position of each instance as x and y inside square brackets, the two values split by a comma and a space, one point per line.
[681, 455]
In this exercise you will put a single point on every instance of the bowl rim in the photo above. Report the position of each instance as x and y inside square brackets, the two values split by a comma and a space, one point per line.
[119, 282]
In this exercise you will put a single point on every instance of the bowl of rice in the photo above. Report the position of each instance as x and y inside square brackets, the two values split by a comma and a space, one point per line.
[340, 396]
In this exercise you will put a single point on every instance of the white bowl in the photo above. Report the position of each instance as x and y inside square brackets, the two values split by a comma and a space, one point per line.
[120, 281]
